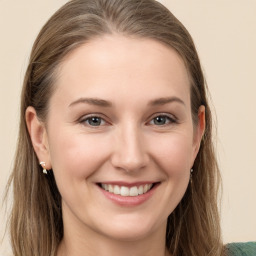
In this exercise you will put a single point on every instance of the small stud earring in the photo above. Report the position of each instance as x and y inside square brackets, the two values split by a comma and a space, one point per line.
[191, 175]
[43, 166]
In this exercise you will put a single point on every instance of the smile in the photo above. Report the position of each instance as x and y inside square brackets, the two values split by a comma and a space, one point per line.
[127, 191]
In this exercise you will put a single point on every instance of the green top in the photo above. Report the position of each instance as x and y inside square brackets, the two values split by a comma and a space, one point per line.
[242, 249]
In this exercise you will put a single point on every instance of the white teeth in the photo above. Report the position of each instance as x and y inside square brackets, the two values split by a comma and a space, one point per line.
[133, 191]
[140, 190]
[126, 191]
[110, 188]
[116, 190]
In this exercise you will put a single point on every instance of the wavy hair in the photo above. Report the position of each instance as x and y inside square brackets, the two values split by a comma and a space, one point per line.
[36, 225]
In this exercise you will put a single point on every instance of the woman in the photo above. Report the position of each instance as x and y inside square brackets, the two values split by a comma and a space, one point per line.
[115, 152]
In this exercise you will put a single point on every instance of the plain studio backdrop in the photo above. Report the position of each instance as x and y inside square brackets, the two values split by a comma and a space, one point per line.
[224, 32]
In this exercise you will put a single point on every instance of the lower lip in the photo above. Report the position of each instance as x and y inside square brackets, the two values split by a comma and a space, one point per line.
[130, 200]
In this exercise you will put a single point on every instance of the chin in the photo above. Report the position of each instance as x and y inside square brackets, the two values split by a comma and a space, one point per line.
[128, 235]
[130, 229]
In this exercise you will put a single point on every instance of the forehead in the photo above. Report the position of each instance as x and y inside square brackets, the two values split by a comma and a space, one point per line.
[115, 65]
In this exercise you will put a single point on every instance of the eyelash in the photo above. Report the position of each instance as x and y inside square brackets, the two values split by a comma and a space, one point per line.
[170, 120]
[85, 120]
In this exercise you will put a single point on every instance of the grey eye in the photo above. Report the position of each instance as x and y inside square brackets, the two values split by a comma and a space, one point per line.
[161, 120]
[94, 121]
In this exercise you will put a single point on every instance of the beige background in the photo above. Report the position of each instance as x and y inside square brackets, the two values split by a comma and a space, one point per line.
[225, 35]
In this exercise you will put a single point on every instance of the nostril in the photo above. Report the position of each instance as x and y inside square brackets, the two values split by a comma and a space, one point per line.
[129, 151]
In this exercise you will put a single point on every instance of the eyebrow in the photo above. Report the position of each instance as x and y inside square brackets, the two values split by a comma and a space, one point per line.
[92, 101]
[163, 101]
[105, 103]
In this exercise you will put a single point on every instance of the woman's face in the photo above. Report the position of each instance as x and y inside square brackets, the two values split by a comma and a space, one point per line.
[120, 120]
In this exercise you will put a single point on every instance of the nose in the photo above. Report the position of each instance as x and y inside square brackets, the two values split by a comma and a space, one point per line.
[129, 149]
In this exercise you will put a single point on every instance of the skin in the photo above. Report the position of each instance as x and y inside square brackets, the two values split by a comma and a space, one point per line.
[128, 144]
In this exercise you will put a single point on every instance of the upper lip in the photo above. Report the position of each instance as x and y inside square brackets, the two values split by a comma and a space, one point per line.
[127, 184]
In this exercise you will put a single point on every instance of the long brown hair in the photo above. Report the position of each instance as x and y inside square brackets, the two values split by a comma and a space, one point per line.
[36, 220]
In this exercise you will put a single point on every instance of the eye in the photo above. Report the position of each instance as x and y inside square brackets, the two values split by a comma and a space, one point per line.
[93, 121]
[161, 120]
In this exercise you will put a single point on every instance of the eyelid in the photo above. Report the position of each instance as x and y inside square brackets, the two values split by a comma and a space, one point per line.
[85, 117]
[172, 118]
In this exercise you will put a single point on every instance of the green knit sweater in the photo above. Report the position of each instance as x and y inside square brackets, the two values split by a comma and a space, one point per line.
[241, 249]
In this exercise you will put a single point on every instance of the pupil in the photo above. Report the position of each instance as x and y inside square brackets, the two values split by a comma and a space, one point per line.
[94, 121]
[160, 120]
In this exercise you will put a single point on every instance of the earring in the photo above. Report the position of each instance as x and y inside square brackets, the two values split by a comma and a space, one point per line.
[191, 175]
[43, 166]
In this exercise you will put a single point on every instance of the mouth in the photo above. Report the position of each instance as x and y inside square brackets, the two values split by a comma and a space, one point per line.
[128, 194]
[127, 191]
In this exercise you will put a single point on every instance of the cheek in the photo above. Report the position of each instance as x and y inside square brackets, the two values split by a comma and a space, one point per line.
[174, 154]
[76, 155]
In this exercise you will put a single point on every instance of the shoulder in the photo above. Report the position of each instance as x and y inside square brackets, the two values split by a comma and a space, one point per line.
[241, 249]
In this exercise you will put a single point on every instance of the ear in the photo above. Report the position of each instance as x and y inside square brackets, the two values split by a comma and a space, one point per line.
[38, 135]
[199, 130]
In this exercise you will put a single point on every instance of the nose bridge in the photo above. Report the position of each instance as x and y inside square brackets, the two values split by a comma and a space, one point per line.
[129, 153]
